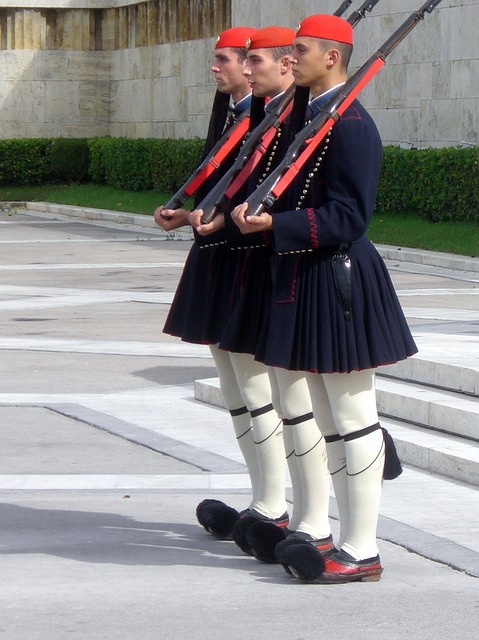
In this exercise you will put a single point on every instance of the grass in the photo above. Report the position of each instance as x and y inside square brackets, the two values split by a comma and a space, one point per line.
[88, 195]
[461, 238]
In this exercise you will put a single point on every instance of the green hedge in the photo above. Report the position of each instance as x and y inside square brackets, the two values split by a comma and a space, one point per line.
[41, 160]
[24, 161]
[122, 163]
[173, 162]
[143, 164]
[434, 184]
[69, 160]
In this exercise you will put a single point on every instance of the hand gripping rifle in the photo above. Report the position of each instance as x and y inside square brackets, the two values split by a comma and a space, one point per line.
[311, 136]
[260, 139]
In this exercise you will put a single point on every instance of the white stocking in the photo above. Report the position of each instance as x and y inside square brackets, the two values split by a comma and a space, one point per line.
[334, 447]
[352, 399]
[337, 469]
[240, 417]
[365, 460]
[310, 454]
[253, 381]
[295, 517]
[288, 439]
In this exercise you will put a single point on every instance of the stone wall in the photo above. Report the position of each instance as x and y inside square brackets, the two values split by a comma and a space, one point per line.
[141, 69]
[121, 68]
[428, 92]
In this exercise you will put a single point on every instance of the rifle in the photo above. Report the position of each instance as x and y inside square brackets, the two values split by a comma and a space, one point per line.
[215, 157]
[311, 136]
[259, 140]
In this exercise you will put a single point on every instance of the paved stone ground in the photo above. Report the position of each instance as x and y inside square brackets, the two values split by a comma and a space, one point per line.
[98, 537]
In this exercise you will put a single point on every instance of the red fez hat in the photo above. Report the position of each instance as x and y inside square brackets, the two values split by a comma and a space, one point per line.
[326, 27]
[234, 38]
[271, 37]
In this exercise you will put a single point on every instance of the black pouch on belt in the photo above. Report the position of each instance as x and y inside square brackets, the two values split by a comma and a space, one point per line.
[341, 266]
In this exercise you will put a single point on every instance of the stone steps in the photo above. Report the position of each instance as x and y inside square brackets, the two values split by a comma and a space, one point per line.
[438, 373]
[429, 407]
[435, 428]
[440, 453]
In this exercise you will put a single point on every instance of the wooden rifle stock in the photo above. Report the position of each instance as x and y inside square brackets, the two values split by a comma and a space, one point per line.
[309, 138]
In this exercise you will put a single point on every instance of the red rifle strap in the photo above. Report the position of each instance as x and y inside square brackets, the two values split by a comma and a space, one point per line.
[259, 152]
[235, 138]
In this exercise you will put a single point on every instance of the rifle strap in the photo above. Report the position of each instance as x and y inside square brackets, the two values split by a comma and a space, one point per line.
[258, 154]
[237, 134]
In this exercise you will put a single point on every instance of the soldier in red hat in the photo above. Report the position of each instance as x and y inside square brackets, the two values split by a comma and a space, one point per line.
[199, 310]
[333, 312]
[268, 71]
[212, 267]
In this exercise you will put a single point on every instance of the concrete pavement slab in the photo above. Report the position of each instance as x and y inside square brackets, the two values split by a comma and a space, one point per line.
[96, 404]
[97, 565]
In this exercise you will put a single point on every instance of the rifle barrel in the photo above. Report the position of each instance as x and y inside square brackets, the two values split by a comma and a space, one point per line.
[356, 16]
[407, 26]
[342, 8]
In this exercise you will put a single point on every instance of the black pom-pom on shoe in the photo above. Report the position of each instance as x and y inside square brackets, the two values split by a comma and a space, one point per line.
[217, 518]
[303, 561]
[201, 506]
[248, 518]
[285, 544]
[282, 546]
[325, 546]
[262, 538]
[239, 531]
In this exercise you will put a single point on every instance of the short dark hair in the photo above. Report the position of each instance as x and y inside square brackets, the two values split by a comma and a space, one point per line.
[241, 52]
[280, 52]
[344, 49]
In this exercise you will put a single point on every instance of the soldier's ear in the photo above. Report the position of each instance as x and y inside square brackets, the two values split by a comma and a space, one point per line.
[334, 57]
[285, 63]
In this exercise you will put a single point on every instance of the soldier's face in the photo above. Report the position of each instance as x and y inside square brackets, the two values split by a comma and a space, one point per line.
[227, 69]
[309, 62]
[263, 73]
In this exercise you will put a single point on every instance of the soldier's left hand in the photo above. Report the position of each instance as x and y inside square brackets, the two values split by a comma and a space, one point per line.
[251, 224]
[195, 219]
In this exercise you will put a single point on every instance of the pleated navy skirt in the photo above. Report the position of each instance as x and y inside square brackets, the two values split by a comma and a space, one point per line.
[306, 328]
[250, 300]
[202, 300]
